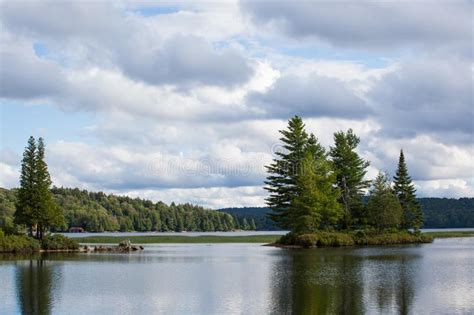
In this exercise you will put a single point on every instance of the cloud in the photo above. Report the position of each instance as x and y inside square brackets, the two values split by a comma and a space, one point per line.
[427, 159]
[455, 188]
[310, 96]
[187, 102]
[25, 76]
[432, 96]
[368, 24]
[185, 60]
[118, 167]
[106, 35]
[214, 198]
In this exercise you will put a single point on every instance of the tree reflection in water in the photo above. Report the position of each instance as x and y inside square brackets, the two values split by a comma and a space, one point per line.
[333, 281]
[36, 281]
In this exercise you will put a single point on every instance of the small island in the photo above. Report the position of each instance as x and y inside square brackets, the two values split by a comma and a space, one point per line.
[317, 194]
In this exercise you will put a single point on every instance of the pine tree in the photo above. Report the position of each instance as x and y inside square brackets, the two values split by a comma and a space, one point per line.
[236, 223]
[405, 191]
[245, 225]
[281, 183]
[46, 213]
[253, 226]
[350, 169]
[383, 209]
[27, 193]
[316, 204]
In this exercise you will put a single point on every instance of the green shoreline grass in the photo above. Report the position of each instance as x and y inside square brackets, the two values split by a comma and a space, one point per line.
[447, 234]
[181, 239]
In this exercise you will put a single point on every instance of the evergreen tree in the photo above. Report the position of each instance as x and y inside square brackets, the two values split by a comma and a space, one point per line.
[316, 150]
[47, 213]
[405, 191]
[281, 183]
[253, 227]
[245, 225]
[27, 194]
[36, 207]
[350, 169]
[316, 204]
[383, 209]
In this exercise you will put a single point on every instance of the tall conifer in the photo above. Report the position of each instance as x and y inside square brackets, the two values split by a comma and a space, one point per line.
[406, 193]
[282, 181]
[383, 209]
[27, 194]
[350, 169]
[316, 204]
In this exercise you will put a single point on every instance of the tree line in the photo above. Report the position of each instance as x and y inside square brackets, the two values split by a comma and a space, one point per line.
[99, 212]
[311, 188]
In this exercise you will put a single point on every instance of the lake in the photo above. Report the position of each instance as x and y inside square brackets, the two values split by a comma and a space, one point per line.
[233, 233]
[435, 278]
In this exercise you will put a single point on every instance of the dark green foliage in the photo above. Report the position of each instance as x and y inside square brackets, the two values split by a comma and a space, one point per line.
[27, 194]
[35, 207]
[335, 239]
[405, 190]
[59, 242]
[47, 213]
[17, 243]
[447, 213]
[7, 209]
[315, 206]
[438, 213]
[350, 170]
[392, 238]
[317, 239]
[98, 212]
[383, 209]
[283, 172]
[252, 227]
[260, 215]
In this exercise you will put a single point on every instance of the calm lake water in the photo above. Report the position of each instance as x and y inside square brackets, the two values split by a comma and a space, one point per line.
[237, 233]
[433, 278]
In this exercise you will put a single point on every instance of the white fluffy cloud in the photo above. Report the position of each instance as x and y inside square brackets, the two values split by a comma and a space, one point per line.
[189, 101]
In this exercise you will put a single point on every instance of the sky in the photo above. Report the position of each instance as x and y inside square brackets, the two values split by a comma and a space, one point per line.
[182, 100]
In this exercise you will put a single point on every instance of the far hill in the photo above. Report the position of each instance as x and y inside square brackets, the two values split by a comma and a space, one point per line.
[438, 213]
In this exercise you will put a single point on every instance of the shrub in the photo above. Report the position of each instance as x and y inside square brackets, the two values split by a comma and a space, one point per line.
[318, 239]
[361, 237]
[58, 241]
[17, 243]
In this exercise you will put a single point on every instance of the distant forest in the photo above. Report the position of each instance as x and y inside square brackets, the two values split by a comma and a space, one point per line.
[438, 213]
[98, 212]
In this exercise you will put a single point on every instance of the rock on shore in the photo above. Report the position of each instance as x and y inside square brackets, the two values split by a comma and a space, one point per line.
[124, 246]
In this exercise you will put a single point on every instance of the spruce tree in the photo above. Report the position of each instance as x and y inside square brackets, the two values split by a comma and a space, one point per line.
[46, 213]
[350, 171]
[383, 209]
[245, 225]
[316, 204]
[405, 191]
[253, 226]
[281, 183]
[27, 194]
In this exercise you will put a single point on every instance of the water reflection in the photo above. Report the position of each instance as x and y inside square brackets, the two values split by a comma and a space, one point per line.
[36, 281]
[343, 282]
[244, 279]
